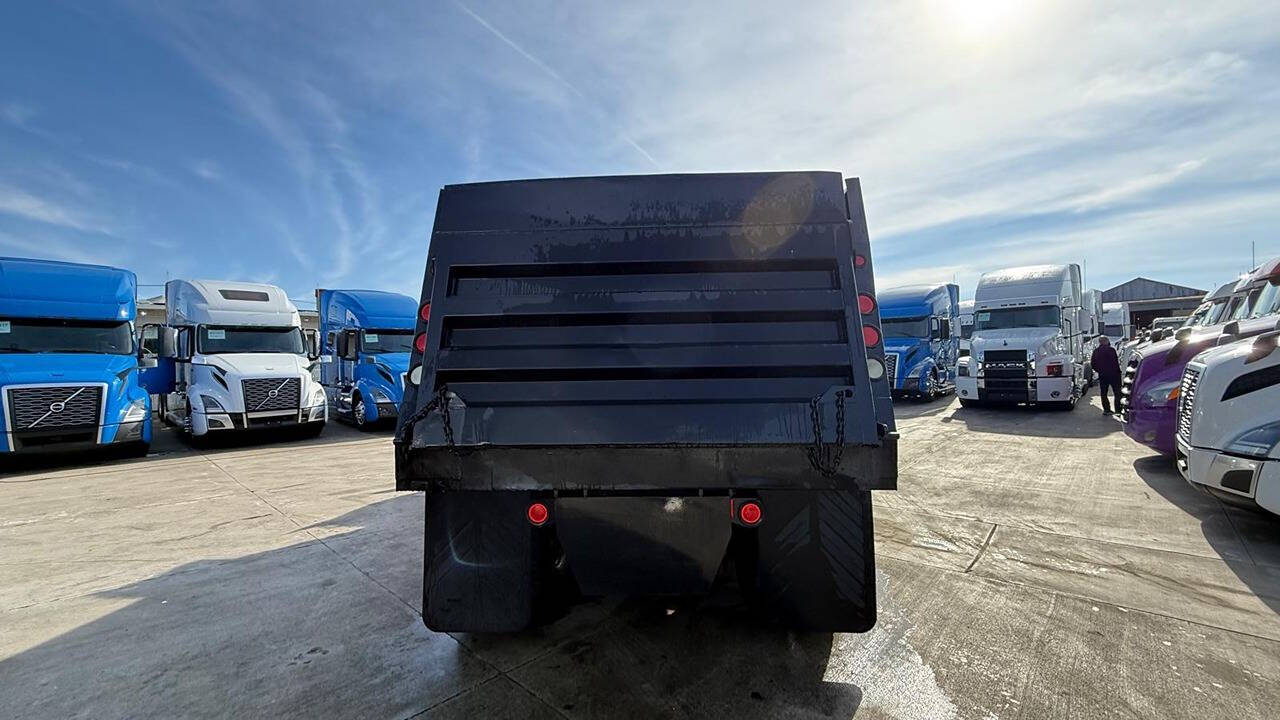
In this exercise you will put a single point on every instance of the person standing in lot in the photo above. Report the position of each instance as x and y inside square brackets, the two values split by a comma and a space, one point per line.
[1107, 365]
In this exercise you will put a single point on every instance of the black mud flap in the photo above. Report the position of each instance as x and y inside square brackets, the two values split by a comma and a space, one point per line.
[644, 545]
[815, 560]
[483, 561]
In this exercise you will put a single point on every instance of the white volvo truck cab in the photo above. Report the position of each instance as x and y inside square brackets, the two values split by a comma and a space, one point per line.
[241, 361]
[1228, 432]
[1030, 337]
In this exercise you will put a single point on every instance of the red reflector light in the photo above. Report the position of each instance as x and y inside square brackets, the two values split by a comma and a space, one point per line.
[1054, 370]
[750, 513]
[538, 513]
[866, 303]
[420, 343]
[870, 336]
[859, 261]
[425, 312]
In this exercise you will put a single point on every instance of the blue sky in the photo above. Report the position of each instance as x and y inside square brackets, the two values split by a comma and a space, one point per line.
[303, 143]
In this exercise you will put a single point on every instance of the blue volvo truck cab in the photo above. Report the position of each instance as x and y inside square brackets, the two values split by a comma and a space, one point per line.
[69, 375]
[921, 338]
[365, 340]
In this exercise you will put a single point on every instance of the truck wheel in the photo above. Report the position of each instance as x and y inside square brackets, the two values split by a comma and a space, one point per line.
[135, 449]
[487, 569]
[358, 415]
[965, 402]
[812, 565]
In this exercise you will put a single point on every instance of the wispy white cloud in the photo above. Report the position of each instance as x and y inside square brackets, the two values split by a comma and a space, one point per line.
[551, 72]
[206, 169]
[22, 204]
[17, 113]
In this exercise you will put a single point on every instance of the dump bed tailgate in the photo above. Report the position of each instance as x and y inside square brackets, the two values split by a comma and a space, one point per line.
[648, 332]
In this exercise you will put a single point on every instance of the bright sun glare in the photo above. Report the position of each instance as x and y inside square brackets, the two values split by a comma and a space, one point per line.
[979, 20]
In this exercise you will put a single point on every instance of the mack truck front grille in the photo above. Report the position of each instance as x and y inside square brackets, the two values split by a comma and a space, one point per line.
[1187, 401]
[1126, 387]
[261, 394]
[39, 409]
[891, 367]
[1004, 376]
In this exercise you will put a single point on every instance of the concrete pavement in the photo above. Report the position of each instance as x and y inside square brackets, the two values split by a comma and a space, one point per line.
[1032, 565]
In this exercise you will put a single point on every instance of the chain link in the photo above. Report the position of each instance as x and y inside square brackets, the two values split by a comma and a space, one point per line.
[439, 402]
[823, 457]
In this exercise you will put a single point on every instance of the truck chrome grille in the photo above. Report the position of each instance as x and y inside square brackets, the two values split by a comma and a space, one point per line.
[891, 367]
[1126, 387]
[48, 408]
[272, 394]
[1187, 401]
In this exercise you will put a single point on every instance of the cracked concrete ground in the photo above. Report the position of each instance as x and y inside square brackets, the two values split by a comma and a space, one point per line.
[1032, 565]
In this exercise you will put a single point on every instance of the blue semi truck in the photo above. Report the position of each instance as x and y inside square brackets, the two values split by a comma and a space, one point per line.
[921, 338]
[365, 340]
[69, 372]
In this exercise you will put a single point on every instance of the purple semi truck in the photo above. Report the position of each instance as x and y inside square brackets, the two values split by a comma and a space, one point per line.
[1152, 378]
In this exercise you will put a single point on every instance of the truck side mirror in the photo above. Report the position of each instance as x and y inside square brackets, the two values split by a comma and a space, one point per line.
[149, 341]
[944, 329]
[340, 345]
[310, 341]
[168, 342]
[349, 345]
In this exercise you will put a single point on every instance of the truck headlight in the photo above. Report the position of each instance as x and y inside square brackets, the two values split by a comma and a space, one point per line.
[379, 396]
[317, 396]
[1162, 395]
[137, 411]
[211, 404]
[1258, 442]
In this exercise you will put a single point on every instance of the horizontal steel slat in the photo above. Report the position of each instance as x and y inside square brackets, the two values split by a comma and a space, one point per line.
[756, 333]
[692, 356]
[664, 302]
[604, 392]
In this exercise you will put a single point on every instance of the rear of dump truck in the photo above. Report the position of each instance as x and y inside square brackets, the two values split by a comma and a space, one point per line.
[622, 385]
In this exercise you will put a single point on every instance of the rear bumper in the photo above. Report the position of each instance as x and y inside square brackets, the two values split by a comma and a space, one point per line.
[1152, 427]
[609, 469]
[1249, 479]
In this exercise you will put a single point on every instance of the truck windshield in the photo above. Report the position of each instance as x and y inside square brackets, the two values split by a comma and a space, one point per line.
[1024, 317]
[966, 330]
[385, 341]
[1268, 302]
[905, 327]
[1214, 316]
[44, 335]
[1113, 331]
[215, 340]
[1244, 308]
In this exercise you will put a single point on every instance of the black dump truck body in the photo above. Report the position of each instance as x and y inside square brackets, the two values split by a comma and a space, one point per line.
[625, 383]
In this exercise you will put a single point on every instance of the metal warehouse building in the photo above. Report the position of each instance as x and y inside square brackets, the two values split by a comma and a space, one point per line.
[1151, 299]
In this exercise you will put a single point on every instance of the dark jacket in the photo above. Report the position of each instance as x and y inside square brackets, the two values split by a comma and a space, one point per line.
[1105, 362]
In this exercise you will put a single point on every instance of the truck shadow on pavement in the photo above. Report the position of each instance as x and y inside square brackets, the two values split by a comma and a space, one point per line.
[329, 627]
[1248, 541]
[1085, 422]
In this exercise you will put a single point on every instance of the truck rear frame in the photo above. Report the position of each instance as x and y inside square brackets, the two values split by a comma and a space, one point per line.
[623, 383]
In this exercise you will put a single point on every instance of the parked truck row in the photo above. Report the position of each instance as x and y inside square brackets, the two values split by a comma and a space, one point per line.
[77, 372]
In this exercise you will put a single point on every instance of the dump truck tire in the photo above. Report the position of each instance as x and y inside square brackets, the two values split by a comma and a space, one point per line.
[487, 569]
[814, 564]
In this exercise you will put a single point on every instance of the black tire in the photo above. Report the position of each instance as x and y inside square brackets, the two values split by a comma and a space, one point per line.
[812, 565]
[486, 569]
[966, 402]
[359, 418]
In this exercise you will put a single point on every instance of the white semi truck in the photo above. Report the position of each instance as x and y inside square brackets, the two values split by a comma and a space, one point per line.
[1228, 428]
[240, 360]
[1030, 336]
[965, 326]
